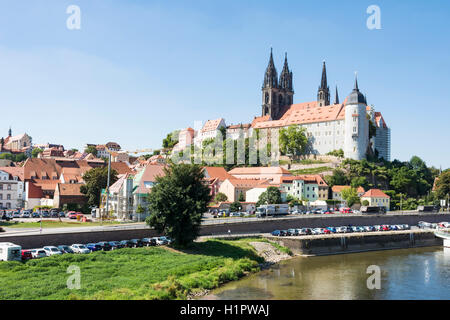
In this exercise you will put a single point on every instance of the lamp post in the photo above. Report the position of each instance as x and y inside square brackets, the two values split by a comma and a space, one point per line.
[107, 189]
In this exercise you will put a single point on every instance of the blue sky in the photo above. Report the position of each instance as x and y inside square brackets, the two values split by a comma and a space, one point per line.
[139, 69]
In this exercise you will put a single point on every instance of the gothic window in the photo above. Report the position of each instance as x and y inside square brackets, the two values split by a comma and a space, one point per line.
[280, 100]
[267, 97]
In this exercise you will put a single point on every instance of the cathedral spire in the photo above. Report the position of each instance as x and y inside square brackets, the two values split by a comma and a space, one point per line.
[323, 83]
[336, 100]
[323, 95]
[271, 76]
[356, 82]
[9, 132]
[286, 76]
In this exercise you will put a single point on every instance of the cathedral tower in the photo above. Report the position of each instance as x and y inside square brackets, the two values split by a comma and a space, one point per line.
[323, 95]
[270, 91]
[286, 96]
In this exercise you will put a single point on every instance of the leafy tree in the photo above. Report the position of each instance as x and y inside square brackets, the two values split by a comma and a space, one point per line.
[337, 153]
[271, 196]
[236, 206]
[241, 197]
[293, 140]
[74, 150]
[178, 201]
[220, 197]
[35, 152]
[338, 178]
[359, 182]
[170, 140]
[91, 149]
[365, 203]
[350, 195]
[443, 185]
[96, 179]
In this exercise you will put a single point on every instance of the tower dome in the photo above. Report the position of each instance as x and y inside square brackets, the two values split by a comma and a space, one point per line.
[356, 97]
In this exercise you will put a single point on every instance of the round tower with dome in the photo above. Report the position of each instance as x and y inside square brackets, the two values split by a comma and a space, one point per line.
[356, 125]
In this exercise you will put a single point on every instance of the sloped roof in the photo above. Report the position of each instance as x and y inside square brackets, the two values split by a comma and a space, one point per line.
[375, 193]
[259, 170]
[121, 167]
[340, 188]
[14, 171]
[70, 189]
[217, 172]
[247, 183]
[212, 125]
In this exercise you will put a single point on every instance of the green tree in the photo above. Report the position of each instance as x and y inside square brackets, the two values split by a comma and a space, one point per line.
[293, 140]
[350, 195]
[220, 197]
[271, 196]
[236, 206]
[170, 140]
[338, 178]
[91, 149]
[241, 197]
[443, 185]
[359, 182]
[365, 203]
[35, 152]
[178, 201]
[95, 180]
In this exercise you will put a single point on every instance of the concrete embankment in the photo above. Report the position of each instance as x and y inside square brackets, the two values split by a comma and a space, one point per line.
[358, 242]
[261, 226]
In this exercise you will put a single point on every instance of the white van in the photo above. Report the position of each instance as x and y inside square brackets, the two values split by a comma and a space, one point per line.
[10, 252]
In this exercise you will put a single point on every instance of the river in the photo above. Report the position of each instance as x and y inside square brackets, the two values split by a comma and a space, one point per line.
[418, 273]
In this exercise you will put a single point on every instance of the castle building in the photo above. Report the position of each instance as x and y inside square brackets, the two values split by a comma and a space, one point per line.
[329, 126]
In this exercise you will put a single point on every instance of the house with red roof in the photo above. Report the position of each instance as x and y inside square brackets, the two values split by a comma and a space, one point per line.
[377, 198]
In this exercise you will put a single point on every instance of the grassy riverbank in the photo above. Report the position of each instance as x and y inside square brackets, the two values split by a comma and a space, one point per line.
[138, 273]
[55, 224]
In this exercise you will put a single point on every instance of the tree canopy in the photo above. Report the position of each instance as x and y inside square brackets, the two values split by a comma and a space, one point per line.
[293, 140]
[178, 201]
[95, 180]
[271, 196]
[91, 149]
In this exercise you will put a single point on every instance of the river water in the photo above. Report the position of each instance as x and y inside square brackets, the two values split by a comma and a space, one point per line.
[419, 273]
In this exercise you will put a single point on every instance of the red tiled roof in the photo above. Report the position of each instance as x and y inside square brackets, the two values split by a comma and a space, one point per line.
[69, 189]
[375, 193]
[34, 192]
[14, 171]
[259, 170]
[212, 125]
[217, 173]
[340, 188]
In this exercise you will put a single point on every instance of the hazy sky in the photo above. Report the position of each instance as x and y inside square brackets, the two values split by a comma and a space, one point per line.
[137, 70]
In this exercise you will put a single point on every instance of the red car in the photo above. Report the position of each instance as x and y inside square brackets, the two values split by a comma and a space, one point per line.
[26, 255]
[326, 231]
[72, 215]
[329, 212]
[385, 228]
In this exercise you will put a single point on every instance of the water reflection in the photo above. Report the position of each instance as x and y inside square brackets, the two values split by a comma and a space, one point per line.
[420, 273]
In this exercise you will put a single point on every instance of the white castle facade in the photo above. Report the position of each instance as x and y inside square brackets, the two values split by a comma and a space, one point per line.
[329, 127]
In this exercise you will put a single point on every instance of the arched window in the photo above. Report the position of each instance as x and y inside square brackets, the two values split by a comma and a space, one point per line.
[280, 99]
[267, 98]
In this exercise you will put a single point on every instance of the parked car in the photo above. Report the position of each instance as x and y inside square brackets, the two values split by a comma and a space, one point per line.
[235, 214]
[406, 227]
[303, 231]
[36, 214]
[126, 244]
[332, 229]
[369, 228]
[325, 231]
[94, 247]
[385, 227]
[169, 240]
[5, 217]
[341, 229]
[45, 214]
[80, 248]
[25, 214]
[161, 241]
[115, 245]
[62, 215]
[137, 243]
[65, 249]
[72, 215]
[51, 251]
[38, 253]
[147, 242]
[26, 255]
[378, 228]
[105, 246]
[292, 232]
[276, 233]
[54, 214]
[16, 214]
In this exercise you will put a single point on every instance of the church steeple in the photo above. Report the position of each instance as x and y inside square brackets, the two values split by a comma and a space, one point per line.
[286, 76]
[336, 99]
[9, 132]
[323, 94]
[271, 76]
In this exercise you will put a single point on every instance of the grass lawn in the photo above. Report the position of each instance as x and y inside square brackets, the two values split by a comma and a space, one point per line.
[54, 224]
[133, 273]
[311, 170]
